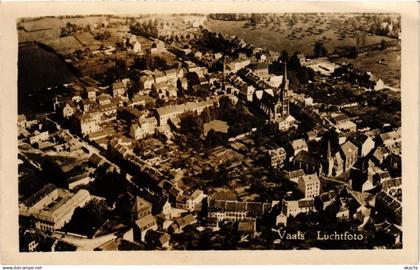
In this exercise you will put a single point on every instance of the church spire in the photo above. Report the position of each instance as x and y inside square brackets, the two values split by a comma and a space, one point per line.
[329, 149]
[285, 83]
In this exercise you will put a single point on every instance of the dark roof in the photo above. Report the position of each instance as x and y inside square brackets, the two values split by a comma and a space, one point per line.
[306, 203]
[43, 192]
[306, 157]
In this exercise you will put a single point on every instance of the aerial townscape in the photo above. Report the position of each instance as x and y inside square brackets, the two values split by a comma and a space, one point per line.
[209, 132]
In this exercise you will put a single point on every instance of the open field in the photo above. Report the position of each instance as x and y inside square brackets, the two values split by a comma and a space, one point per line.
[297, 38]
[216, 125]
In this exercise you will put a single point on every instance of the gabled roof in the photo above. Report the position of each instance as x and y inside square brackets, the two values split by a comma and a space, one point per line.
[349, 148]
[305, 157]
[145, 221]
[141, 204]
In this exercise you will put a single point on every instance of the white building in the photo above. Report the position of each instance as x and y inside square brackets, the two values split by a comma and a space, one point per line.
[309, 185]
[53, 207]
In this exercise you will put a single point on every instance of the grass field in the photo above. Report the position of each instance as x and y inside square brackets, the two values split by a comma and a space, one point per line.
[299, 38]
[216, 125]
[389, 70]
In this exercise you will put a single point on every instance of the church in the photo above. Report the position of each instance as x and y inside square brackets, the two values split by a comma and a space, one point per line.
[275, 105]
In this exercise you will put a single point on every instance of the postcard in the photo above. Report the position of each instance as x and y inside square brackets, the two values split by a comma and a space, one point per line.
[209, 133]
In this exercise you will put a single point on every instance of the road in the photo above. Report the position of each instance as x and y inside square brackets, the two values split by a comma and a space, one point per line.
[86, 244]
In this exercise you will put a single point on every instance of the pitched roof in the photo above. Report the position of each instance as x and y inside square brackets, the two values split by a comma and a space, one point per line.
[145, 221]
[310, 178]
[349, 148]
[306, 157]
[141, 203]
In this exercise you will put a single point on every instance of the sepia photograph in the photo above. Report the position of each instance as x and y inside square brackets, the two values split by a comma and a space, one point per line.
[216, 131]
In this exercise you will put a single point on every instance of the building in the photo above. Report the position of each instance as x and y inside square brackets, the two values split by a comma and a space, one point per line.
[349, 153]
[295, 207]
[118, 89]
[141, 208]
[274, 105]
[343, 123]
[308, 162]
[144, 127]
[171, 112]
[88, 123]
[39, 137]
[365, 144]
[91, 93]
[143, 218]
[309, 185]
[299, 145]
[194, 202]
[261, 70]
[51, 207]
[221, 210]
[142, 226]
[277, 157]
[294, 175]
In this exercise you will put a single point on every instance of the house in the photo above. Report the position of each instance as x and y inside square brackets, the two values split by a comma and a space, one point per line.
[88, 122]
[260, 69]
[324, 200]
[309, 185]
[137, 47]
[380, 154]
[144, 127]
[194, 201]
[186, 221]
[166, 210]
[277, 157]
[158, 47]
[342, 122]
[308, 162]
[171, 112]
[295, 207]
[118, 89]
[294, 175]
[146, 82]
[104, 99]
[91, 93]
[286, 123]
[364, 143]
[299, 145]
[157, 239]
[390, 139]
[142, 225]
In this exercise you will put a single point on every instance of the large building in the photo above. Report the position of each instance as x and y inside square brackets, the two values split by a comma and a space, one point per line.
[309, 185]
[51, 207]
[236, 211]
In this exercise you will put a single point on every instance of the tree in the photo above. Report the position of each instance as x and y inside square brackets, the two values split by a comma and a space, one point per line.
[284, 56]
[382, 45]
[216, 138]
[191, 124]
[353, 52]
[318, 47]
[294, 62]
[206, 115]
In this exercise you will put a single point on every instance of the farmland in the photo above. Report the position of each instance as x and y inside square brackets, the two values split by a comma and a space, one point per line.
[279, 35]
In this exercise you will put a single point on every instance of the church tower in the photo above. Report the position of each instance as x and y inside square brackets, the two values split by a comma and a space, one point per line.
[284, 93]
[330, 160]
